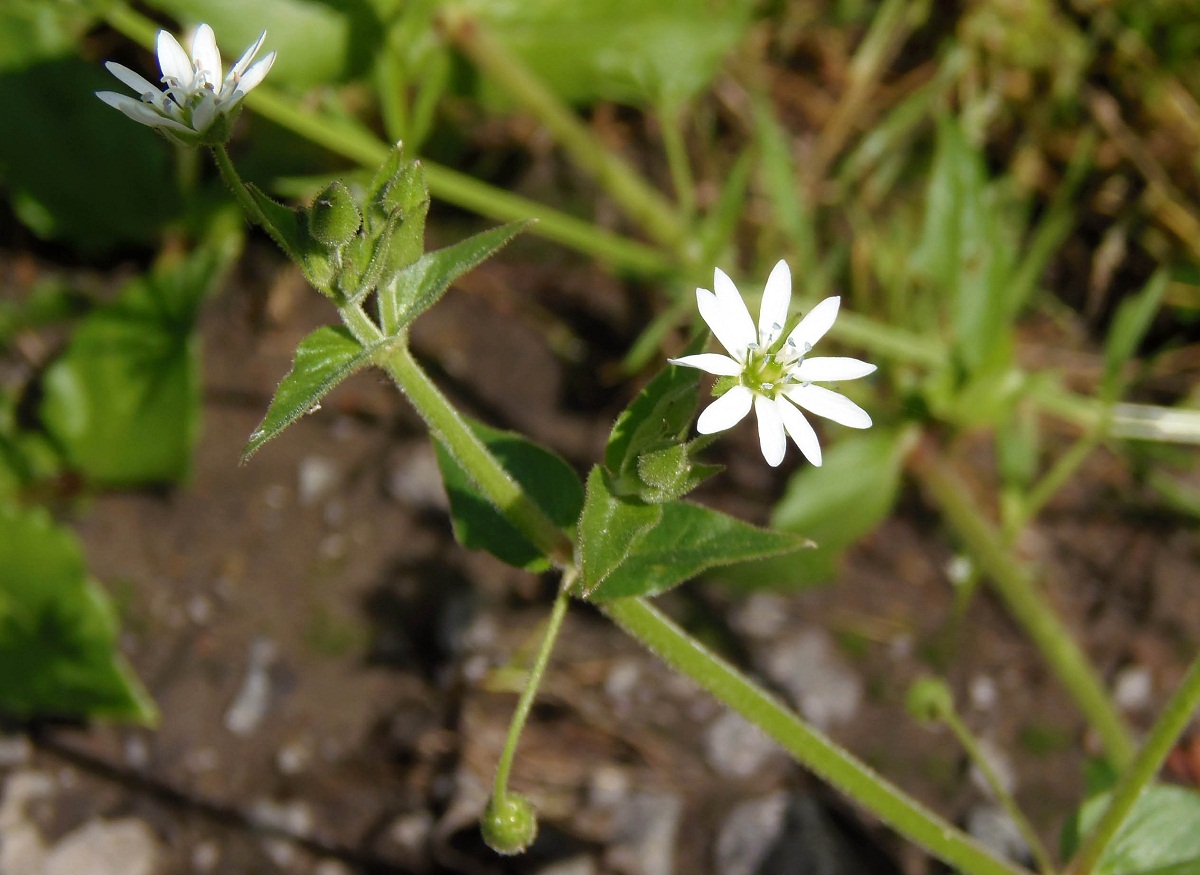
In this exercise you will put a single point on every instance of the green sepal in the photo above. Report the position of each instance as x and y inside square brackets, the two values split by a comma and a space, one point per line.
[406, 294]
[323, 359]
[548, 481]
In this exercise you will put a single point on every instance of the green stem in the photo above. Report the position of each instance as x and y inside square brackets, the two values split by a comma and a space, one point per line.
[1170, 725]
[641, 203]
[809, 747]
[1056, 478]
[525, 703]
[451, 430]
[1013, 583]
[677, 159]
[245, 200]
[971, 745]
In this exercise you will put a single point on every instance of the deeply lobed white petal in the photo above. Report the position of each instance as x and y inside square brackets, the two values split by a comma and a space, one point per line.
[174, 61]
[205, 55]
[204, 114]
[832, 368]
[736, 315]
[813, 326]
[771, 437]
[254, 75]
[141, 112]
[777, 297]
[734, 335]
[712, 362]
[801, 431]
[136, 81]
[829, 404]
[726, 412]
[239, 68]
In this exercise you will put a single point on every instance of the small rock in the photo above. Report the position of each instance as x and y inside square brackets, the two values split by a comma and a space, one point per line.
[762, 615]
[292, 818]
[1133, 688]
[820, 683]
[748, 833]
[411, 831]
[137, 752]
[252, 701]
[295, 756]
[608, 787]
[581, 865]
[735, 747]
[206, 856]
[22, 849]
[199, 609]
[991, 826]
[622, 680]
[416, 480]
[983, 692]
[644, 834]
[332, 867]
[15, 750]
[106, 847]
[316, 477]
[1000, 764]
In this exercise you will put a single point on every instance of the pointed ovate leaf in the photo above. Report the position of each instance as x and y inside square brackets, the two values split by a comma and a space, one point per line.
[686, 541]
[609, 530]
[123, 401]
[407, 294]
[835, 505]
[58, 630]
[1161, 835]
[546, 479]
[323, 359]
[658, 417]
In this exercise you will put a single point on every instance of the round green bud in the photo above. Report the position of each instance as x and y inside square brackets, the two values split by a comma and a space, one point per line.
[930, 700]
[509, 825]
[334, 219]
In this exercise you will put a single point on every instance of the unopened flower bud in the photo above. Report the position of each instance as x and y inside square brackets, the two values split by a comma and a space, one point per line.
[334, 218]
[930, 700]
[509, 824]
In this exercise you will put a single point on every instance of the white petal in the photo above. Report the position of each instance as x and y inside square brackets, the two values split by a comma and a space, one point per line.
[713, 363]
[734, 334]
[821, 370]
[136, 81]
[204, 113]
[771, 438]
[831, 405]
[205, 54]
[801, 431]
[813, 326]
[255, 74]
[733, 306]
[726, 412]
[173, 60]
[239, 67]
[777, 296]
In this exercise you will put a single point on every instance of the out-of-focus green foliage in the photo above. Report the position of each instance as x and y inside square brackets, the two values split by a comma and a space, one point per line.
[1160, 837]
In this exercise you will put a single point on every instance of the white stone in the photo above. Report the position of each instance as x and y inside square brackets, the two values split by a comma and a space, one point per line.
[735, 747]
[822, 686]
[254, 698]
[748, 833]
[106, 847]
[1133, 688]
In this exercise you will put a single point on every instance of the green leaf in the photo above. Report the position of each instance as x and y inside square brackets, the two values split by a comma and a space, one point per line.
[1161, 835]
[659, 417]
[323, 359]
[1134, 318]
[546, 479]
[58, 631]
[687, 540]
[416, 288]
[835, 505]
[629, 51]
[966, 251]
[609, 529]
[123, 401]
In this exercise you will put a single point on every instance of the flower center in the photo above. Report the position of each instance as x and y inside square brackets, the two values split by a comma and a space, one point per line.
[768, 371]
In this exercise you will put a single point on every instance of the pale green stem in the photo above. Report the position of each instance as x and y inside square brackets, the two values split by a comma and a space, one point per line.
[640, 202]
[808, 746]
[1058, 475]
[971, 745]
[525, 703]
[1013, 583]
[1166, 731]
[246, 201]
[677, 159]
[496, 484]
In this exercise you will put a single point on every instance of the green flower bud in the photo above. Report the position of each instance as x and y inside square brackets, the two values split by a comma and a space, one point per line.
[334, 218]
[930, 700]
[509, 825]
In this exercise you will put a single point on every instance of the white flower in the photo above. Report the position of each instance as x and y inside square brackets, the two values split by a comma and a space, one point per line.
[774, 374]
[197, 105]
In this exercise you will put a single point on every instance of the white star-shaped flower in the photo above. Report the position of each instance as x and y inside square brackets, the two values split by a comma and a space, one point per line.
[197, 105]
[773, 371]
